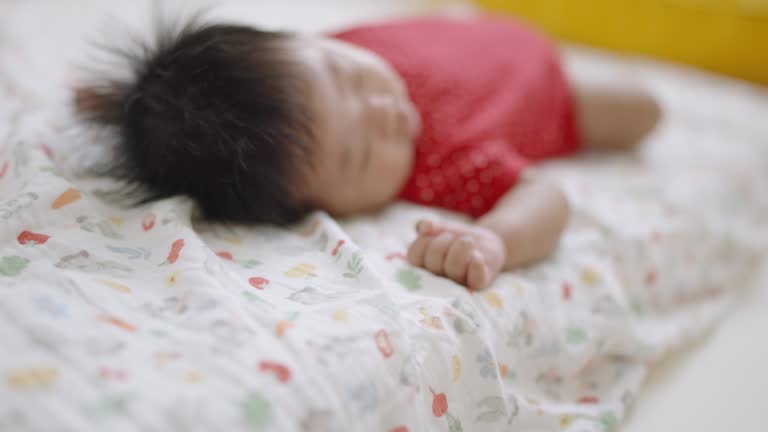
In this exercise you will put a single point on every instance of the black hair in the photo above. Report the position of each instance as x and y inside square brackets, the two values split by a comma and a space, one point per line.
[216, 112]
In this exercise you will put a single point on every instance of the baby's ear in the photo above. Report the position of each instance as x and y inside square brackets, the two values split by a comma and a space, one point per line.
[101, 104]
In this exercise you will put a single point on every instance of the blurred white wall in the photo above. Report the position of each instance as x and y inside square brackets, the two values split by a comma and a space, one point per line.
[43, 43]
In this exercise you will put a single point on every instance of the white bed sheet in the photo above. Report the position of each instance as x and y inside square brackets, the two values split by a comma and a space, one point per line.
[718, 384]
[684, 218]
[719, 381]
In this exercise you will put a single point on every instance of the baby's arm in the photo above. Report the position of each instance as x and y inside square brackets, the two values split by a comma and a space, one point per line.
[530, 219]
[523, 227]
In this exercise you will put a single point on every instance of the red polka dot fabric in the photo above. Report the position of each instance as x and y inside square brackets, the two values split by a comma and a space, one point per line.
[492, 97]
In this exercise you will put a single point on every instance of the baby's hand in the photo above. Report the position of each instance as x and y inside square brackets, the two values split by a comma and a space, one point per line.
[468, 254]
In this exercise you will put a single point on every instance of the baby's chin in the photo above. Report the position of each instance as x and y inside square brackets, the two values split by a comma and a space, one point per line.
[414, 121]
[407, 162]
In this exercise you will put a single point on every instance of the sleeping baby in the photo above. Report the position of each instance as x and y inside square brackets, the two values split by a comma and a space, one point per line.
[264, 127]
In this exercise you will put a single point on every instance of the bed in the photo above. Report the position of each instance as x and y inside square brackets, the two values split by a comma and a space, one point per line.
[148, 319]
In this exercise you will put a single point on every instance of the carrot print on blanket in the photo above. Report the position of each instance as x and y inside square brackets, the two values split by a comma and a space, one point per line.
[258, 282]
[589, 400]
[650, 278]
[67, 197]
[396, 255]
[117, 322]
[439, 403]
[173, 255]
[280, 371]
[47, 150]
[567, 291]
[225, 255]
[148, 222]
[29, 237]
[336, 249]
[282, 327]
[109, 374]
[383, 344]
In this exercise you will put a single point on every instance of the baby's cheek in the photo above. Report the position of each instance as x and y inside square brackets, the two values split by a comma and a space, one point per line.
[379, 190]
[342, 198]
[396, 166]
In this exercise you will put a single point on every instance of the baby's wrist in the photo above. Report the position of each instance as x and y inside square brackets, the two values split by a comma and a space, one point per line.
[501, 247]
[511, 240]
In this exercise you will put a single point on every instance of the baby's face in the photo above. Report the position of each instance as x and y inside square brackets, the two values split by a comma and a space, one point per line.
[365, 126]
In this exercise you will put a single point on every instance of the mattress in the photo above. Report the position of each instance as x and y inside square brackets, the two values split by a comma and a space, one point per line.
[146, 318]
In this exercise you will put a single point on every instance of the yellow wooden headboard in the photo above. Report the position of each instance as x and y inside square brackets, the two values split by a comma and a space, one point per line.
[726, 36]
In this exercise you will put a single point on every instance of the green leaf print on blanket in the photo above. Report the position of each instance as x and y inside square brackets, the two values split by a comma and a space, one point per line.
[454, 424]
[256, 411]
[409, 279]
[247, 263]
[354, 266]
[12, 265]
[575, 335]
[609, 421]
[114, 405]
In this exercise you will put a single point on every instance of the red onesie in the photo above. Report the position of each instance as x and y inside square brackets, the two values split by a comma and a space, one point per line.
[492, 97]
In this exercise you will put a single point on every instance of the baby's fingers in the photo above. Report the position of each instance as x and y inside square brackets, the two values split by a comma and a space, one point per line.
[437, 250]
[418, 250]
[477, 275]
[425, 227]
[458, 258]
